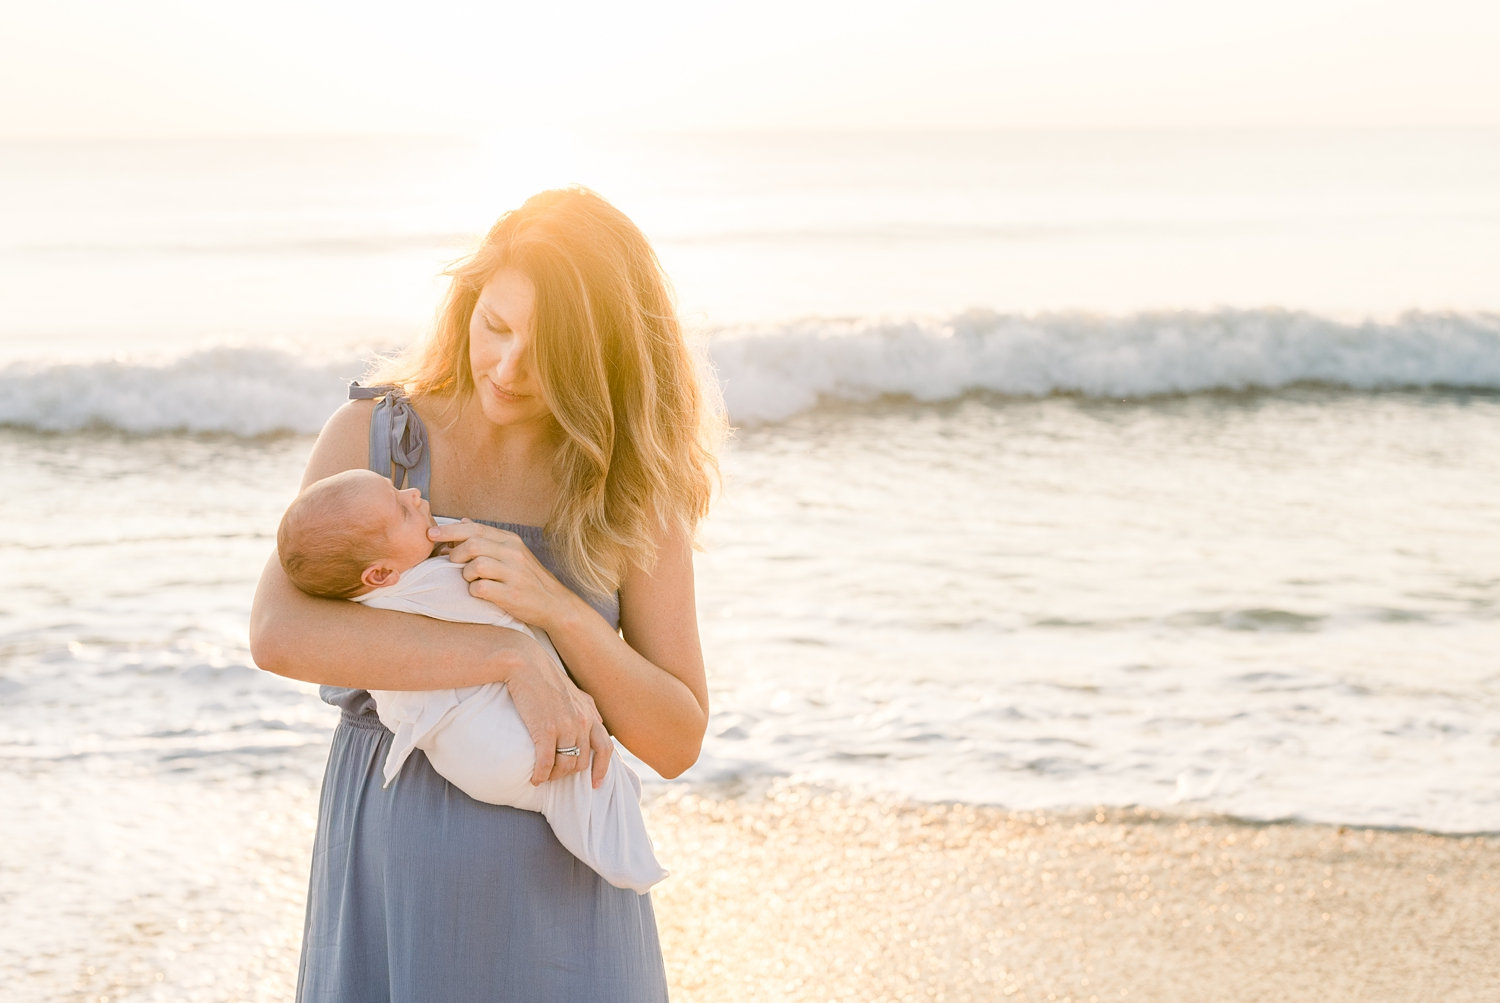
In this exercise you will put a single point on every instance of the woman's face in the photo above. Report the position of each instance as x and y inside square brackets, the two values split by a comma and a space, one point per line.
[500, 344]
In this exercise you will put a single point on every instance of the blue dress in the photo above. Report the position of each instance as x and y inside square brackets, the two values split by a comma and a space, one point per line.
[420, 894]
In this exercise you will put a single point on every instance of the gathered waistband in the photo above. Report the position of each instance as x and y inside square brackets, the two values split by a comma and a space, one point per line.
[367, 722]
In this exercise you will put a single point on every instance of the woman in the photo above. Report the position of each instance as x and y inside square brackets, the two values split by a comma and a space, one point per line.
[557, 391]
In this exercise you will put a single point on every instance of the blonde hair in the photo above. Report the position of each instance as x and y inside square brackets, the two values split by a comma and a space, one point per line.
[636, 453]
[323, 547]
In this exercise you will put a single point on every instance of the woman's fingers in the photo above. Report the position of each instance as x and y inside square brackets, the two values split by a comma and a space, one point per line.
[483, 546]
[465, 541]
[566, 764]
[602, 749]
[555, 718]
[489, 591]
[501, 569]
[546, 756]
[552, 763]
[458, 532]
[484, 567]
[567, 733]
[592, 744]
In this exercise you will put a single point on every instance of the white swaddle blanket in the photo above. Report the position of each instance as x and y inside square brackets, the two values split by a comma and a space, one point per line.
[474, 738]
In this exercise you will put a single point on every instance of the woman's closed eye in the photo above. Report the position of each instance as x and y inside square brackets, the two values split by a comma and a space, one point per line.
[494, 326]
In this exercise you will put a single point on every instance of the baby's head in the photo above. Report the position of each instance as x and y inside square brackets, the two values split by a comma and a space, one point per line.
[353, 532]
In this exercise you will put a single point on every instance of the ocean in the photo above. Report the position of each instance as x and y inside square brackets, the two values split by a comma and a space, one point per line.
[1069, 470]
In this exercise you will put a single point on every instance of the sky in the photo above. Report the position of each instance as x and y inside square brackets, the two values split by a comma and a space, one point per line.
[100, 68]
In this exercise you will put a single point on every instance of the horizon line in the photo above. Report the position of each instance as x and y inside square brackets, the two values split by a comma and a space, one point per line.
[696, 131]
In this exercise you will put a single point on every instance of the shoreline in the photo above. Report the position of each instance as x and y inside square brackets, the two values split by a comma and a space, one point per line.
[810, 895]
[797, 894]
[752, 791]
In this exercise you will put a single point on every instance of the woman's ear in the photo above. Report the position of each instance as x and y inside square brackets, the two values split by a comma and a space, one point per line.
[380, 575]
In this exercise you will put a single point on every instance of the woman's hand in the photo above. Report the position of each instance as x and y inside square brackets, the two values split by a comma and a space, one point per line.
[559, 715]
[500, 568]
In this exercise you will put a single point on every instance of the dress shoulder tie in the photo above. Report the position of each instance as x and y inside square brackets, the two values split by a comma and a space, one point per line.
[398, 439]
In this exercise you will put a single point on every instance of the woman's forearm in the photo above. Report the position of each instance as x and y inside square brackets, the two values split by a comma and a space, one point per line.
[651, 711]
[646, 680]
[342, 643]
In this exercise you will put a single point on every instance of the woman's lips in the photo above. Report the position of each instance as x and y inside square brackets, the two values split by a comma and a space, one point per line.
[506, 395]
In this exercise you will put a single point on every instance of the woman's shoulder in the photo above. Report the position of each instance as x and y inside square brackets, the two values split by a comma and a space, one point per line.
[350, 421]
[344, 443]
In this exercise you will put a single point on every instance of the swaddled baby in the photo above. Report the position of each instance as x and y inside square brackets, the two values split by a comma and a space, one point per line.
[355, 536]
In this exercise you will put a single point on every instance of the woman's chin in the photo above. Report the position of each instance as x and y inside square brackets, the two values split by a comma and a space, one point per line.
[507, 414]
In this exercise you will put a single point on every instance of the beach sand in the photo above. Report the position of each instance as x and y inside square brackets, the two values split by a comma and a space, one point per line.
[799, 895]
[806, 896]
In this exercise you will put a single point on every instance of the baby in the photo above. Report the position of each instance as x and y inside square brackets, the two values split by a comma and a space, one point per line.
[355, 536]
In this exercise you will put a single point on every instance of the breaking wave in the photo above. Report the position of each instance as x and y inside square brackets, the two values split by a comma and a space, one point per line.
[772, 372]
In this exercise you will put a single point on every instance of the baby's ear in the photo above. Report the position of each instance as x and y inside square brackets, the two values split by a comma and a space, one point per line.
[379, 576]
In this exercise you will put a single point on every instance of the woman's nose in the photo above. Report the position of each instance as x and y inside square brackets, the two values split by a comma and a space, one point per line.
[513, 368]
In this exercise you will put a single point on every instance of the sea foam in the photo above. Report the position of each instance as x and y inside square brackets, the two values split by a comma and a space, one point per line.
[772, 372]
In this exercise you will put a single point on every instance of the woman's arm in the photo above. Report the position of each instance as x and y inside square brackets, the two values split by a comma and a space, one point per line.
[650, 685]
[342, 643]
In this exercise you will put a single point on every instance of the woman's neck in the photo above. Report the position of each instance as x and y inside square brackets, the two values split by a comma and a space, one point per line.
[526, 442]
[488, 471]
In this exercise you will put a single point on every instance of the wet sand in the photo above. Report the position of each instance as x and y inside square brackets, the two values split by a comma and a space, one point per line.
[803, 896]
[818, 897]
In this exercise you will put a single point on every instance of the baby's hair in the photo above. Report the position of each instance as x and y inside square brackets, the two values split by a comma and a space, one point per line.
[324, 550]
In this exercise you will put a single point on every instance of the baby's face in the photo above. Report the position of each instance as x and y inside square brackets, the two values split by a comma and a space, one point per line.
[405, 516]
